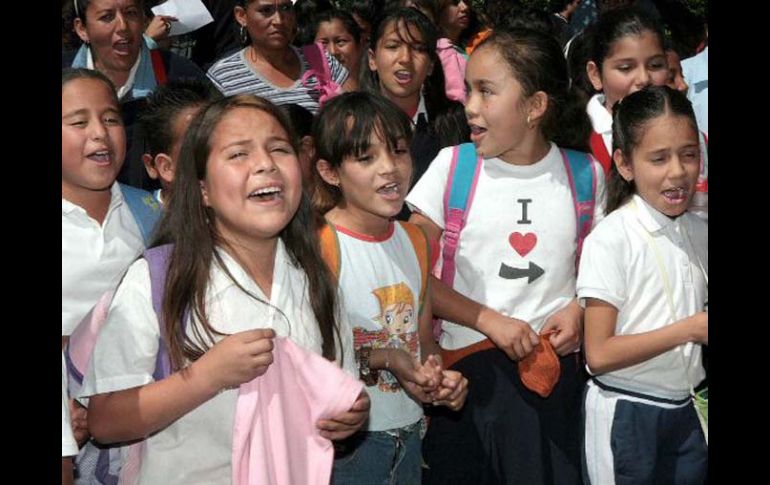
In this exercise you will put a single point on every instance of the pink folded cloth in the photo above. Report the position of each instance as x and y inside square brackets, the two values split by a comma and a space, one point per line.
[275, 439]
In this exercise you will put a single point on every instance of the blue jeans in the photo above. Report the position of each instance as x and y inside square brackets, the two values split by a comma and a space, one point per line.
[391, 457]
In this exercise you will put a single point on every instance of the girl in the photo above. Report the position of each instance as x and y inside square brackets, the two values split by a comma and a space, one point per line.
[515, 269]
[245, 268]
[644, 281]
[457, 25]
[341, 36]
[403, 67]
[626, 55]
[364, 169]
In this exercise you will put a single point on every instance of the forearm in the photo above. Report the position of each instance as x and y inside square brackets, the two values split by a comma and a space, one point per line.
[448, 304]
[621, 351]
[136, 413]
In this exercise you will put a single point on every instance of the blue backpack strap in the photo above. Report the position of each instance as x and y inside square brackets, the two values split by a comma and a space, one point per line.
[158, 259]
[582, 178]
[144, 207]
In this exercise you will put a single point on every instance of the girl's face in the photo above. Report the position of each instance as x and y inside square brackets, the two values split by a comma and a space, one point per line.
[455, 17]
[114, 30]
[497, 107]
[340, 43]
[664, 164]
[675, 76]
[93, 138]
[253, 182]
[374, 184]
[402, 62]
[271, 23]
[633, 62]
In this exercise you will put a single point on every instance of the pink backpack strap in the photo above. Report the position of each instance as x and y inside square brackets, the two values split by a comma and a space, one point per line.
[319, 67]
[582, 180]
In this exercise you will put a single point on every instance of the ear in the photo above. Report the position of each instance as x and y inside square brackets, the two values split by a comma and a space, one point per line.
[149, 165]
[204, 194]
[165, 167]
[372, 63]
[594, 75]
[538, 105]
[307, 145]
[327, 172]
[240, 15]
[623, 165]
[80, 29]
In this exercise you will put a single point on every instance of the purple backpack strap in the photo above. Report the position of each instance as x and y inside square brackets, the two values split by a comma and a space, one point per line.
[157, 260]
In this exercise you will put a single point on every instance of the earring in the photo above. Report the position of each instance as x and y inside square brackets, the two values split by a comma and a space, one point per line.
[244, 35]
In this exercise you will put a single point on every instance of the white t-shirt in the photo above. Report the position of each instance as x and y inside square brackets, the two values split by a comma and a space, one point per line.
[522, 224]
[93, 256]
[619, 266]
[68, 445]
[380, 280]
[197, 447]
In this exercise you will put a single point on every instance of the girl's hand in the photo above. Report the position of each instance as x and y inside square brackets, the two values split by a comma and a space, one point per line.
[237, 358]
[699, 328]
[417, 380]
[513, 336]
[79, 422]
[159, 27]
[343, 425]
[568, 323]
[452, 391]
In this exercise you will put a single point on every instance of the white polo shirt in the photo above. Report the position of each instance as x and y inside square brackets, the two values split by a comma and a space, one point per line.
[94, 256]
[522, 224]
[197, 448]
[601, 119]
[619, 266]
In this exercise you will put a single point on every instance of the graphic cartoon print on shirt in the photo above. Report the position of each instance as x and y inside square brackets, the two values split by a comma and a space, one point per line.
[522, 243]
[398, 320]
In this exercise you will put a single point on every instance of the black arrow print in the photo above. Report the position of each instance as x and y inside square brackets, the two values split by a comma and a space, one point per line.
[532, 273]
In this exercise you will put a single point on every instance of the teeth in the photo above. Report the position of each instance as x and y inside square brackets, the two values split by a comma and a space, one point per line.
[264, 191]
[102, 153]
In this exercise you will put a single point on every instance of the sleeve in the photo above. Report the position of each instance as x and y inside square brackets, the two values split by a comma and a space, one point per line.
[68, 445]
[339, 72]
[600, 202]
[602, 273]
[427, 196]
[126, 350]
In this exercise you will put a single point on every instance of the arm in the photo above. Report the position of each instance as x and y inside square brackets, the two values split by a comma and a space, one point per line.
[606, 352]
[135, 413]
[568, 323]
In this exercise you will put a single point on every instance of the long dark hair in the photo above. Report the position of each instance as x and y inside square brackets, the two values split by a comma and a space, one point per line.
[629, 123]
[536, 61]
[447, 118]
[617, 24]
[189, 225]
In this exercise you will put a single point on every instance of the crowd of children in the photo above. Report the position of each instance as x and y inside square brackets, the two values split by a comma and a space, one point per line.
[425, 249]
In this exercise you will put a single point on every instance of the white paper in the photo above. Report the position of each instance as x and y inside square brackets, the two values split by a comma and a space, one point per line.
[191, 15]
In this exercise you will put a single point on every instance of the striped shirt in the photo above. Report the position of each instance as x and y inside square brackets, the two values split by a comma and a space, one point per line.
[234, 74]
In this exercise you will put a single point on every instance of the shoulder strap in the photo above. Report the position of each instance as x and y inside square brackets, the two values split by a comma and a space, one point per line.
[420, 243]
[582, 181]
[157, 260]
[330, 249]
[314, 53]
[145, 209]
[599, 150]
[159, 67]
[458, 197]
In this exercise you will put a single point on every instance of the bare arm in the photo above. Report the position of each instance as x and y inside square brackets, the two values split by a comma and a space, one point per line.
[606, 352]
[135, 413]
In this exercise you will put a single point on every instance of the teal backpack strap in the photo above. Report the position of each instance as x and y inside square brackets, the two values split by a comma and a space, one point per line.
[144, 207]
[582, 181]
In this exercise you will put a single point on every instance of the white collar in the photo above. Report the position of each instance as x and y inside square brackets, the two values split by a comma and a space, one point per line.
[421, 109]
[601, 119]
[650, 218]
[116, 199]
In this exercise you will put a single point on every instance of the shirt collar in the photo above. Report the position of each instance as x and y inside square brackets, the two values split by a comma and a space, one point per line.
[116, 199]
[601, 119]
[131, 75]
[651, 219]
[421, 109]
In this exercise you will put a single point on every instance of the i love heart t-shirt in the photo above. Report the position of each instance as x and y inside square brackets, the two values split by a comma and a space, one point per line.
[516, 253]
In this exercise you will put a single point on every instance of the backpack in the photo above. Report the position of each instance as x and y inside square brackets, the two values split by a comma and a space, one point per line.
[461, 188]
[319, 67]
[99, 464]
[145, 209]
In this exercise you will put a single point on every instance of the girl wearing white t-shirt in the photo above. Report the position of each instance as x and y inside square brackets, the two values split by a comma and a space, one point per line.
[643, 278]
[515, 269]
[364, 170]
[243, 268]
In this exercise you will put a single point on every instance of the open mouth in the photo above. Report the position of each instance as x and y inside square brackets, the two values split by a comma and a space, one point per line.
[122, 47]
[677, 195]
[391, 191]
[403, 76]
[266, 194]
[103, 157]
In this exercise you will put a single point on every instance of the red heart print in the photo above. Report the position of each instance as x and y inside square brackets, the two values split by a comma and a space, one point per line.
[523, 243]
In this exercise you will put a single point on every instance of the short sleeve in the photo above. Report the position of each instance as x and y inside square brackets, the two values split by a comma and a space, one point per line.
[602, 273]
[427, 196]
